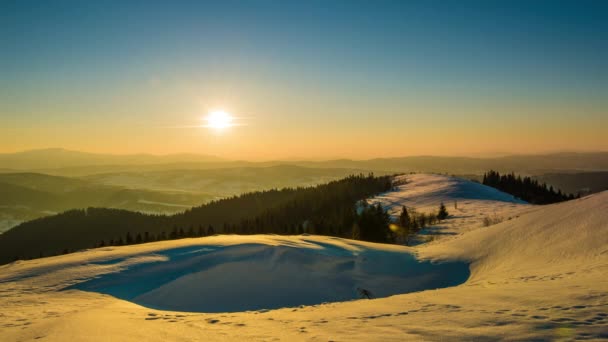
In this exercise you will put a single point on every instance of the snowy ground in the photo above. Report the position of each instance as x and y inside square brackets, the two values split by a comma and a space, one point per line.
[539, 276]
[207, 275]
[467, 202]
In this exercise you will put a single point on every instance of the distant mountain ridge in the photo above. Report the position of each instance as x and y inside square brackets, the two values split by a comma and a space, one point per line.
[73, 163]
[61, 158]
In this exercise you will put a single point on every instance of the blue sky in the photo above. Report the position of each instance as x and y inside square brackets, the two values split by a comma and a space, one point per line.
[344, 65]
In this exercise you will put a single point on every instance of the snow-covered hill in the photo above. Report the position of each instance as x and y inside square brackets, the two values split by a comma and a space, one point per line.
[539, 276]
[469, 203]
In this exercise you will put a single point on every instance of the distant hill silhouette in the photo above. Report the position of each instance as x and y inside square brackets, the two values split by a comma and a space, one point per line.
[73, 163]
[61, 158]
[583, 183]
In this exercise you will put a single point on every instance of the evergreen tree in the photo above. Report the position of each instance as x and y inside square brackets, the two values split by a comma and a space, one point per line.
[443, 212]
[525, 188]
[414, 221]
[404, 218]
[422, 220]
[129, 239]
[373, 223]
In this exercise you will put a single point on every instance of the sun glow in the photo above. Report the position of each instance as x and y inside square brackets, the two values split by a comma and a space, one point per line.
[219, 119]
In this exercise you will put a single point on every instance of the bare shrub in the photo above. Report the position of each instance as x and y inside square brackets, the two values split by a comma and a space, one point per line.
[492, 220]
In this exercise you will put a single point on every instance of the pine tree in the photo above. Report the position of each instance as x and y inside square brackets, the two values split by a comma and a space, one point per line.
[525, 188]
[443, 212]
[422, 220]
[129, 239]
[404, 218]
[373, 223]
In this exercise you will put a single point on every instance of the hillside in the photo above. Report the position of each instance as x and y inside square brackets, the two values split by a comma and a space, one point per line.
[324, 209]
[27, 196]
[468, 203]
[519, 270]
[32, 195]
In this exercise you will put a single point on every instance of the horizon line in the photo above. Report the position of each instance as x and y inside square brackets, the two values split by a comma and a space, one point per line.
[220, 159]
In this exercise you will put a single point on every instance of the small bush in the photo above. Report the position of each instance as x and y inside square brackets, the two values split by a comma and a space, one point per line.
[492, 220]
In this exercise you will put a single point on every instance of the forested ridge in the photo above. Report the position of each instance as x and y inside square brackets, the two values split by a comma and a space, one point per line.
[327, 209]
[526, 188]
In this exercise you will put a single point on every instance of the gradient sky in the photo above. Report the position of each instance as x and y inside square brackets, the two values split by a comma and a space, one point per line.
[305, 79]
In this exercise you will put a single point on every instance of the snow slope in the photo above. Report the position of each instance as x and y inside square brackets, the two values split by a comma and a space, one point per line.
[467, 202]
[539, 276]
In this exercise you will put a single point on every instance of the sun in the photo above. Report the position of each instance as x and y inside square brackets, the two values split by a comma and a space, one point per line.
[219, 119]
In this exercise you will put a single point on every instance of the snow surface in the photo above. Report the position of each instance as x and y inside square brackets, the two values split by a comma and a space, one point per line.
[268, 272]
[467, 202]
[539, 276]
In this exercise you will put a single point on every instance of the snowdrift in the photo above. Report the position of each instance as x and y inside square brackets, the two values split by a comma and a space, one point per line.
[268, 272]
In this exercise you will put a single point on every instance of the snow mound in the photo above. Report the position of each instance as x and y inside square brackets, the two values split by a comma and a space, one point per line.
[429, 190]
[254, 274]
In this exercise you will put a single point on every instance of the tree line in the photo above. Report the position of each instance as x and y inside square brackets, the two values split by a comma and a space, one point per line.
[374, 224]
[526, 188]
